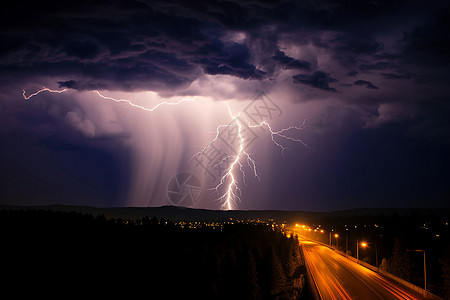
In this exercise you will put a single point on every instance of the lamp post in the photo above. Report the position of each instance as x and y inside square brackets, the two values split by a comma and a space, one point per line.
[424, 267]
[363, 244]
[337, 240]
[376, 257]
[346, 244]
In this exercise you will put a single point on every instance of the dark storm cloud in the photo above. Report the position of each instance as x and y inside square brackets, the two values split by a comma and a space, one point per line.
[380, 65]
[428, 43]
[289, 62]
[397, 76]
[399, 49]
[319, 80]
[348, 47]
[228, 60]
[366, 83]
[118, 46]
[81, 49]
[166, 45]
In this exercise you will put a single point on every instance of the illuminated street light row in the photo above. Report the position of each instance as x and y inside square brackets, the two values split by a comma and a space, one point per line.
[362, 244]
[307, 228]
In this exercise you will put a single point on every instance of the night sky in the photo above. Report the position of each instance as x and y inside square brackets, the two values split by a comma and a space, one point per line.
[366, 82]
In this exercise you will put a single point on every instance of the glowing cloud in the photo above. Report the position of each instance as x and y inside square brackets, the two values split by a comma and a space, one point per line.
[228, 187]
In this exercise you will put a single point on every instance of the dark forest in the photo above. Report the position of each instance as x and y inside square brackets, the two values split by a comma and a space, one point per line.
[80, 253]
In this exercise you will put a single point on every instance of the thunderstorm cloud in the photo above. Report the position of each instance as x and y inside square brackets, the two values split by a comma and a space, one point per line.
[377, 70]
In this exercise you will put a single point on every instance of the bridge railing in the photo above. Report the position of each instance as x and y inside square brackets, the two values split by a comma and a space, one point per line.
[311, 279]
[426, 294]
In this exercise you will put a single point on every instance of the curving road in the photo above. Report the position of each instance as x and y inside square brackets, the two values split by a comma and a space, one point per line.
[337, 277]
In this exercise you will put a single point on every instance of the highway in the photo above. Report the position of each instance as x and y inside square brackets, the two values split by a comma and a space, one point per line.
[337, 277]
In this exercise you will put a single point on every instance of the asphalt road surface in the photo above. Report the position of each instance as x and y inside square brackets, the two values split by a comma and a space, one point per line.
[337, 277]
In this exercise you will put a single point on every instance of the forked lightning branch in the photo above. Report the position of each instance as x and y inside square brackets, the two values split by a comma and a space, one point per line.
[225, 158]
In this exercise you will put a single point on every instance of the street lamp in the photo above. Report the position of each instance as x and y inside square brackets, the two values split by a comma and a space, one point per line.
[337, 240]
[357, 248]
[364, 245]
[424, 267]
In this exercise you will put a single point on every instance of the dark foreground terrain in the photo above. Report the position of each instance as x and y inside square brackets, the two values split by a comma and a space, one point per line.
[71, 253]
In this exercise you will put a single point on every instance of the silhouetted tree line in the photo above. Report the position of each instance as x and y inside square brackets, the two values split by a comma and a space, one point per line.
[80, 253]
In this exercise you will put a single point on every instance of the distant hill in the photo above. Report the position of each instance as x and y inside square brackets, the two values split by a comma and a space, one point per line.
[186, 214]
[174, 212]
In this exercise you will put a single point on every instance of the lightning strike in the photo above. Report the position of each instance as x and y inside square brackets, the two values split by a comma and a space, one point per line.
[44, 89]
[139, 106]
[127, 101]
[280, 133]
[232, 195]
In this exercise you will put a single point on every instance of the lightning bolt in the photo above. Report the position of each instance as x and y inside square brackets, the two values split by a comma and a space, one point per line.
[280, 133]
[233, 192]
[44, 89]
[127, 101]
[232, 195]
[142, 107]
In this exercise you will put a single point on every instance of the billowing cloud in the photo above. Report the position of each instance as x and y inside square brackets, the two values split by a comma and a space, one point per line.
[290, 63]
[397, 76]
[388, 113]
[357, 69]
[366, 83]
[166, 46]
[84, 125]
[319, 80]
[427, 43]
